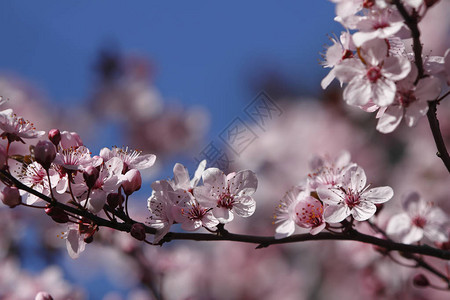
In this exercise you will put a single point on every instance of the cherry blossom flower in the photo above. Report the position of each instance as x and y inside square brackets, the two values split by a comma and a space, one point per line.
[160, 205]
[109, 180]
[328, 172]
[420, 219]
[132, 159]
[373, 76]
[181, 178]
[335, 54]
[378, 24]
[298, 207]
[76, 159]
[353, 198]
[17, 128]
[285, 214]
[227, 194]
[411, 102]
[35, 176]
[190, 213]
[74, 240]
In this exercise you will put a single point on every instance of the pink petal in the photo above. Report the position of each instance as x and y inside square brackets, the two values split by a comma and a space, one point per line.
[379, 194]
[245, 206]
[383, 92]
[358, 92]
[285, 229]
[243, 183]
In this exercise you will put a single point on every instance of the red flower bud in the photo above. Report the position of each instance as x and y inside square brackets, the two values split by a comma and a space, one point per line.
[132, 182]
[114, 199]
[421, 281]
[138, 231]
[90, 176]
[54, 136]
[45, 153]
[57, 214]
[10, 196]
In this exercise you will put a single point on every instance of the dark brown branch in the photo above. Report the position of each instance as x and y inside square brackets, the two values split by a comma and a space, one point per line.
[411, 22]
[224, 235]
[437, 135]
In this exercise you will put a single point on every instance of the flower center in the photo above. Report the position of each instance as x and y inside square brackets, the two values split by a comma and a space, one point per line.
[226, 200]
[347, 54]
[352, 200]
[406, 98]
[419, 221]
[196, 212]
[368, 3]
[374, 73]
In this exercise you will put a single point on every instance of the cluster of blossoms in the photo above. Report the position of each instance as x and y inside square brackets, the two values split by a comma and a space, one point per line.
[335, 190]
[380, 71]
[182, 200]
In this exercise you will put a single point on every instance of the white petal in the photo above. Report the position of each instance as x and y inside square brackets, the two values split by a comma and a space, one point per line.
[330, 196]
[223, 214]
[214, 178]
[396, 67]
[349, 69]
[358, 92]
[198, 173]
[181, 176]
[415, 111]
[245, 206]
[364, 211]
[379, 194]
[336, 213]
[358, 178]
[390, 120]
[428, 88]
[284, 229]
[327, 79]
[383, 92]
[316, 230]
[243, 183]
[414, 235]
[143, 161]
[399, 225]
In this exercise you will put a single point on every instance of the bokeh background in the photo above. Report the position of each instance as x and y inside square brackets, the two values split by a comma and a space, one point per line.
[167, 78]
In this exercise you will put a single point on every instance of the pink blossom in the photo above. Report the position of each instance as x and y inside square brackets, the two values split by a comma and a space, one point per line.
[109, 180]
[328, 172]
[35, 176]
[353, 198]
[298, 207]
[17, 128]
[420, 219]
[335, 54]
[378, 24]
[411, 102]
[132, 159]
[181, 179]
[76, 159]
[373, 76]
[227, 194]
[160, 206]
[131, 181]
[190, 213]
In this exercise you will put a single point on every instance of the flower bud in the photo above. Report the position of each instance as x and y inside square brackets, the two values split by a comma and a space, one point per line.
[45, 153]
[54, 136]
[10, 196]
[132, 182]
[43, 296]
[90, 175]
[114, 199]
[3, 157]
[138, 231]
[57, 214]
[421, 281]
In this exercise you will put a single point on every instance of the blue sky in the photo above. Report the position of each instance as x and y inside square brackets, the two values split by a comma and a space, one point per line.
[203, 50]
